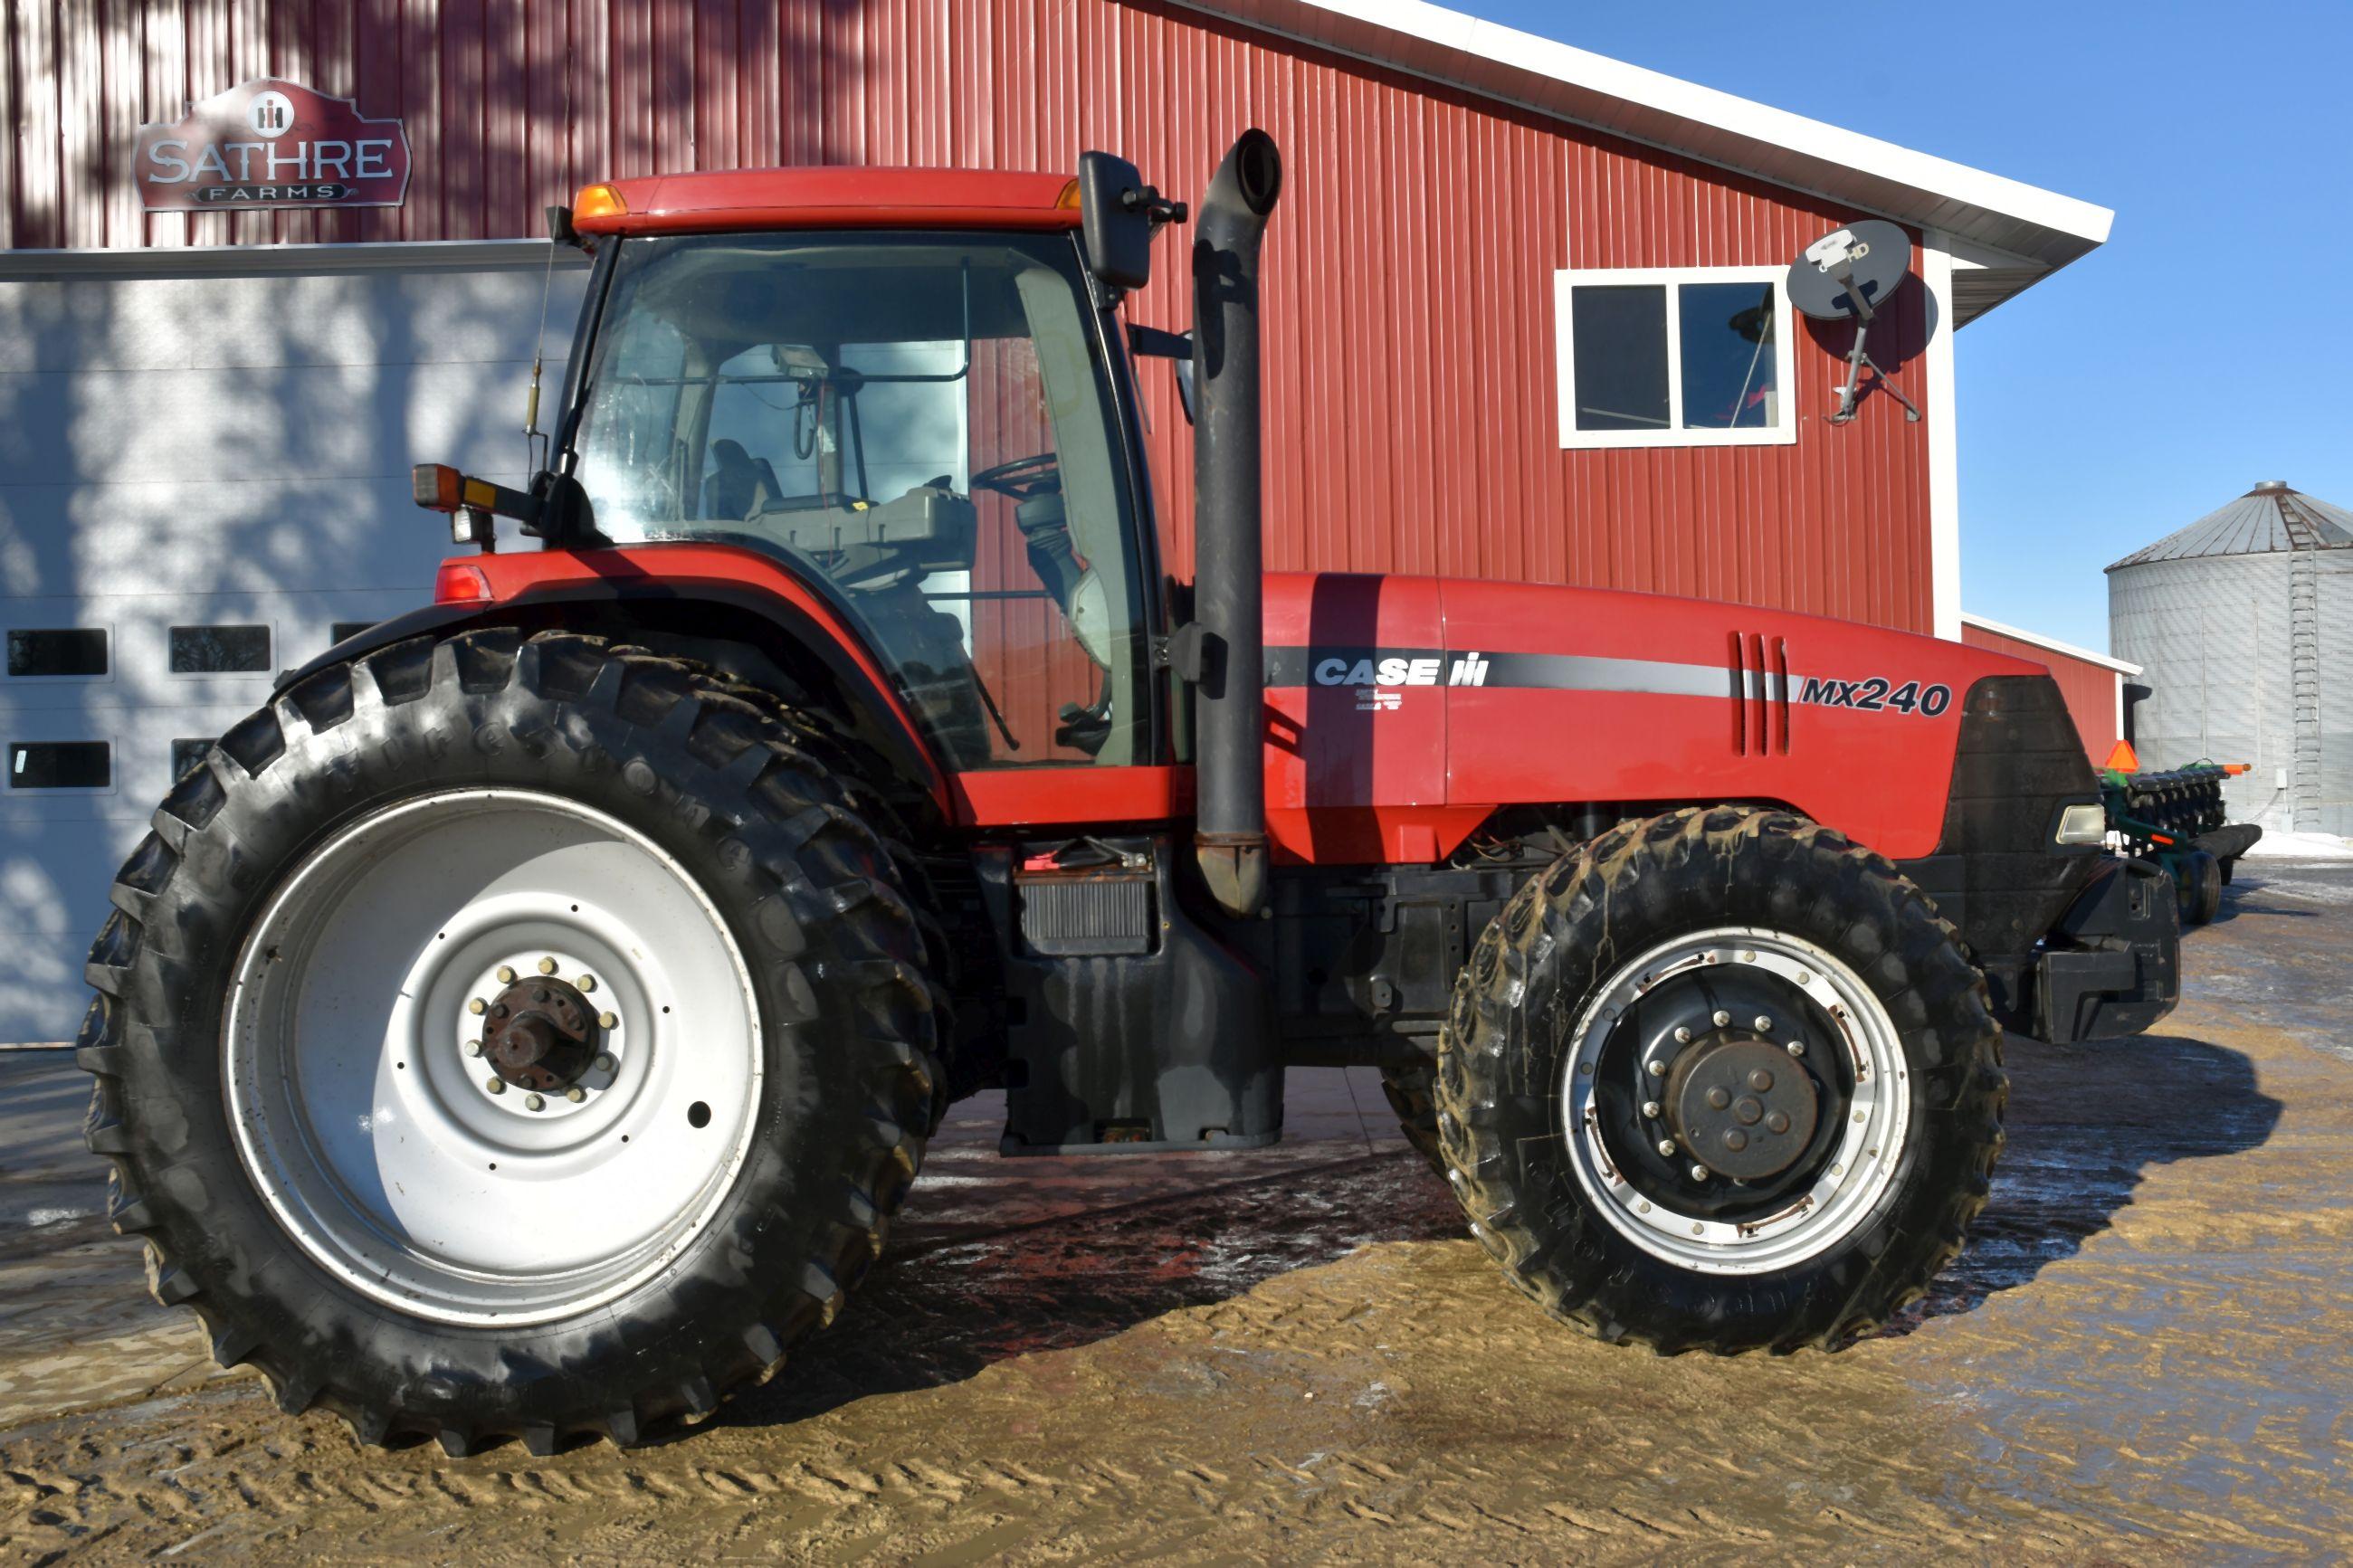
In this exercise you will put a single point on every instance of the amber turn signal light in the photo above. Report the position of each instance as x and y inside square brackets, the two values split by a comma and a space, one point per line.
[437, 487]
[595, 202]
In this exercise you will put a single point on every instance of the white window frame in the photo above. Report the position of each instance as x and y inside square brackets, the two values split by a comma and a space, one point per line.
[1782, 433]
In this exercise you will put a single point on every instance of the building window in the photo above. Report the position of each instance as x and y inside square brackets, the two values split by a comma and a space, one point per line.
[60, 765]
[78, 650]
[1696, 356]
[186, 755]
[219, 650]
[346, 630]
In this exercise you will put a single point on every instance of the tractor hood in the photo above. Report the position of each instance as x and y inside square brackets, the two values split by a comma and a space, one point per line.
[1403, 711]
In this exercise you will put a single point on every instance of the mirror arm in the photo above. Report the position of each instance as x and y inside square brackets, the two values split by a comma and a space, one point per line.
[1154, 342]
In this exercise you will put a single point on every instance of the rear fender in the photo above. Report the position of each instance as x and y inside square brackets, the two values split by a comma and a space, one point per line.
[737, 624]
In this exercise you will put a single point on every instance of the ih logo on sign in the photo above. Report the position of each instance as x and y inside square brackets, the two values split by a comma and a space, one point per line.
[271, 143]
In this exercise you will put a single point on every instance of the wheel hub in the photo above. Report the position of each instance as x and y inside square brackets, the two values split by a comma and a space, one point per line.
[474, 1005]
[1741, 1105]
[541, 1034]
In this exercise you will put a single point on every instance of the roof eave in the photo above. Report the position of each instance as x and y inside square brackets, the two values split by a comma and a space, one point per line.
[2043, 229]
[2036, 640]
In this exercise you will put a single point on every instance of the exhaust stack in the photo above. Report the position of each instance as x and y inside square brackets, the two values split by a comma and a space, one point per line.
[1229, 575]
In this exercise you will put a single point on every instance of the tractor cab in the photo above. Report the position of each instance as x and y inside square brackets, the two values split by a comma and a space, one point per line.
[926, 421]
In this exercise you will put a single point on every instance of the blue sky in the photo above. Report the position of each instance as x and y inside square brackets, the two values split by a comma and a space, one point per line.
[2209, 344]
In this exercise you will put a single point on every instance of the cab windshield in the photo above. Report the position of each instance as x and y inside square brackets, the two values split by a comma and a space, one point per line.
[921, 422]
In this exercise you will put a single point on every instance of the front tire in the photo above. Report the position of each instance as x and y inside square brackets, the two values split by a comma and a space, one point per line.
[1720, 1080]
[508, 1036]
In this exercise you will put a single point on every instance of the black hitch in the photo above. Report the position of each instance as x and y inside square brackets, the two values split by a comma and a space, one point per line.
[2112, 966]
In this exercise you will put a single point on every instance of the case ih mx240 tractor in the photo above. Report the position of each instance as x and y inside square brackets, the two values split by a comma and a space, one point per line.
[528, 1023]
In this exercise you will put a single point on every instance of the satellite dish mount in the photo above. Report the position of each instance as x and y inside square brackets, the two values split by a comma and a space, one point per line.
[1849, 273]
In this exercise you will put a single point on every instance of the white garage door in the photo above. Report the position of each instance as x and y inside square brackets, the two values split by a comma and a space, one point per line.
[203, 474]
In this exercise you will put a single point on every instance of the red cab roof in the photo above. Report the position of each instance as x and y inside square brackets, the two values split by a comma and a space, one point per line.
[832, 196]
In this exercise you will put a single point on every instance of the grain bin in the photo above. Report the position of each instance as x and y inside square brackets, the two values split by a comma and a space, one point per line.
[2243, 624]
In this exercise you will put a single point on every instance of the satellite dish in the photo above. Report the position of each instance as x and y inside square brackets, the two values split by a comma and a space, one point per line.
[1850, 273]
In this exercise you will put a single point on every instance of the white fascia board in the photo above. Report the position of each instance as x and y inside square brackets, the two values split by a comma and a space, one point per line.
[2120, 666]
[1944, 439]
[1706, 106]
[1713, 127]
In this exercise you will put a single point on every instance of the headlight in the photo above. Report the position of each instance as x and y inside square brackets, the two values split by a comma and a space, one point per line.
[2084, 825]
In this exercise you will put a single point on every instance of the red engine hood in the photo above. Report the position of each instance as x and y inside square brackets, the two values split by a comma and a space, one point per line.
[1403, 710]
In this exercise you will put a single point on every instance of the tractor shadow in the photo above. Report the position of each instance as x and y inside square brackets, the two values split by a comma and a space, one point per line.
[2085, 1123]
[999, 1258]
[996, 1258]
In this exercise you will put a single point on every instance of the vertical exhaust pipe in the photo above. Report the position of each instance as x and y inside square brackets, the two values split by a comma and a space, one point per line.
[1228, 574]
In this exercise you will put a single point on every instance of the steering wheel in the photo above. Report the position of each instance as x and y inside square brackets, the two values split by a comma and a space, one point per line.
[1038, 474]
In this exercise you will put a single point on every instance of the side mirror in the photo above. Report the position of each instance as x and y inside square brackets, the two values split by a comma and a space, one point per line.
[1114, 222]
[1118, 214]
[1185, 385]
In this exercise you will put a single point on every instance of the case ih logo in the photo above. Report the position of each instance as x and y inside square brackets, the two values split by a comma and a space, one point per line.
[272, 144]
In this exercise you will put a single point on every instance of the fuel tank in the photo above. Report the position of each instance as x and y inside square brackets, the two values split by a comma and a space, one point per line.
[1404, 710]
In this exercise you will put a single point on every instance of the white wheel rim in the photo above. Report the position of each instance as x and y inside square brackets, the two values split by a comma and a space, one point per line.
[373, 1134]
[1850, 1184]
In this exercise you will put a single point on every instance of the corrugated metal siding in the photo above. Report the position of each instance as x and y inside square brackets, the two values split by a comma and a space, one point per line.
[2212, 638]
[1409, 340]
[2217, 640]
[2090, 688]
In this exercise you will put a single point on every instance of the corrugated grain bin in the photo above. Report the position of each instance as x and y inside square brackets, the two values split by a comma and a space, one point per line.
[2244, 624]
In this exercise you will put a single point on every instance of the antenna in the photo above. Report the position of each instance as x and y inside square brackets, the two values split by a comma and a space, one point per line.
[1851, 272]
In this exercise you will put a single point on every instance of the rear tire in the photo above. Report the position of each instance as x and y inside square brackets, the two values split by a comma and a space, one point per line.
[549, 757]
[1412, 1093]
[1613, 1001]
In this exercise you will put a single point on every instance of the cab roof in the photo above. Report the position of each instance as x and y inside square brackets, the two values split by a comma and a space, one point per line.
[832, 196]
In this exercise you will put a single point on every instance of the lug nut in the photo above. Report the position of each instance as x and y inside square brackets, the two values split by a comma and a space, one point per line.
[576, 1094]
[496, 1086]
[547, 966]
[473, 1047]
[1658, 1070]
[1805, 977]
[506, 974]
[1699, 1172]
[1683, 1035]
[1722, 1017]
[534, 1103]
[1764, 1024]
[605, 1062]
[1667, 1147]
[588, 982]
[1797, 1048]
[1650, 1108]
[609, 1020]
[477, 1006]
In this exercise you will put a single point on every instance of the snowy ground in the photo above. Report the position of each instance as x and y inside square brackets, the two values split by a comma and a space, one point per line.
[2279, 846]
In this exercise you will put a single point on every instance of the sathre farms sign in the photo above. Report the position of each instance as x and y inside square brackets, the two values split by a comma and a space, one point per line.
[272, 144]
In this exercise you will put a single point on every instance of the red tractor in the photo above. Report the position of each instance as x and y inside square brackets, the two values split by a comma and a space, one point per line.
[528, 1023]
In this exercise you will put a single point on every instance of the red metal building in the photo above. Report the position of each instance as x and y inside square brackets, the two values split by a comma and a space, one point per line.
[2092, 683]
[1524, 313]
[1443, 170]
